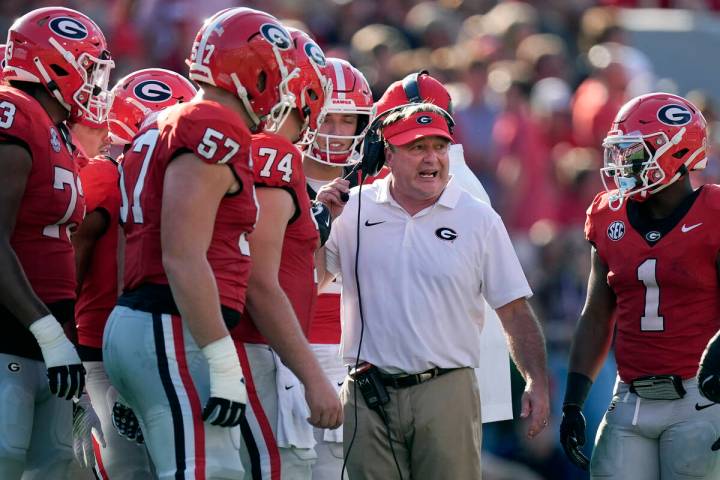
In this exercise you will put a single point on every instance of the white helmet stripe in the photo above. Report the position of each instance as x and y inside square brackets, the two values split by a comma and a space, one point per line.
[200, 54]
[340, 78]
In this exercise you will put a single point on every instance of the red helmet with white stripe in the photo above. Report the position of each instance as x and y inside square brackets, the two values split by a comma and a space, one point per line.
[654, 140]
[351, 96]
[311, 87]
[250, 54]
[2, 59]
[65, 51]
[141, 93]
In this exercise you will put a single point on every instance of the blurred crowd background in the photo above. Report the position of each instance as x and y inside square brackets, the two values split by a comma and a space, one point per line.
[535, 86]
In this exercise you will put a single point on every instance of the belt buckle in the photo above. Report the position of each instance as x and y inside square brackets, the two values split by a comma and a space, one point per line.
[425, 376]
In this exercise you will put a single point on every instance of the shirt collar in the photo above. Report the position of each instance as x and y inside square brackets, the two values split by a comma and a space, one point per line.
[449, 198]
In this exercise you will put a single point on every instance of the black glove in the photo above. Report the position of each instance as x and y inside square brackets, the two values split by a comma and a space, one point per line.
[223, 412]
[709, 372]
[572, 435]
[126, 423]
[67, 381]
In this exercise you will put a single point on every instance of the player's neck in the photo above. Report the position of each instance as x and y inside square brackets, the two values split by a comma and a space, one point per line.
[320, 171]
[227, 99]
[665, 202]
[54, 109]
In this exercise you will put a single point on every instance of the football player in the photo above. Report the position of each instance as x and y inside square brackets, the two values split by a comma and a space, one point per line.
[336, 150]
[135, 96]
[188, 203]
[654, 283]
[56, 68]
[282, 290]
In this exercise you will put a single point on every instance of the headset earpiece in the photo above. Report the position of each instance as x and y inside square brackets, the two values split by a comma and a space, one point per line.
[373, 157]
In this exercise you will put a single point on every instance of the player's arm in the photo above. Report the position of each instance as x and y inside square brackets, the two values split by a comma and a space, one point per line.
[272, 312]
[527, 348]
[192, 192]
[16, 294]
[709, 371]
[65, 372]
[591, 343]
[93, 226]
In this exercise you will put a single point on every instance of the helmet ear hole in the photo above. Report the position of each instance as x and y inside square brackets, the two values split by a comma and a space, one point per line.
[681, 153]
[58, 70]
[313, 96]
[261, 82]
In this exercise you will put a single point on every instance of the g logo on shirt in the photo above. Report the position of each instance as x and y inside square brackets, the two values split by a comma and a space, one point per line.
[14, 367]
[446, 233]
[68, 27]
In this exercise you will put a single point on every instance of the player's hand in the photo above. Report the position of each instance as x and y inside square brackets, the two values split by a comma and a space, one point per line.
[228, 396]
[572, 435]
[65, 372]
[709, 384]
[86, 425]
[334, 195]
[326, 411]
[126, 423]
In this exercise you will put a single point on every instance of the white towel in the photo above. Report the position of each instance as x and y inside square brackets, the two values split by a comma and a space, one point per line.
[332, 364]
[293, 429]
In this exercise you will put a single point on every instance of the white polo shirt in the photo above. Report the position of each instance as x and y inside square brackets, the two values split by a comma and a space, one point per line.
[422, 278]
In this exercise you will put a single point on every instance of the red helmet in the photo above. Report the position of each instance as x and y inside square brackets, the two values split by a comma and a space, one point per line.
[139, 94]
[654, 140]
[66, 52]
[311, 87]
[351, 95]
[250, 54]
[415, 88]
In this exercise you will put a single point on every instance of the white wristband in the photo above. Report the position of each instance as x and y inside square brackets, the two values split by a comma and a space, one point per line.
[55, 346]
[225, 372]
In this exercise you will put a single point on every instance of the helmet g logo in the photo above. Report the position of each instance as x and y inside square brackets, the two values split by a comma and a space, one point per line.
[315, 53]
[674, 114]
[68, 27]
[424, 119]
[152, 91]
[276, 35]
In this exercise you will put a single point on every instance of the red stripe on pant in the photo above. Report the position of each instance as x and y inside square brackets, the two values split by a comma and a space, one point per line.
[98, 460]
[259, 412]
[194, 399]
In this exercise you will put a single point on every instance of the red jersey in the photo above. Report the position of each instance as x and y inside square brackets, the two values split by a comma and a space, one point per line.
[665, 282]
[53, 203]
[216, 135]
[278, 164]
[326, 322]
[98, 294]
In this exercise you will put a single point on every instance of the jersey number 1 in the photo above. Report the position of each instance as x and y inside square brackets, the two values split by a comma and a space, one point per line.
[651, 321]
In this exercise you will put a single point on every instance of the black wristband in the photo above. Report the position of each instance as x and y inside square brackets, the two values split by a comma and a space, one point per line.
[577, 389]
[323, 220]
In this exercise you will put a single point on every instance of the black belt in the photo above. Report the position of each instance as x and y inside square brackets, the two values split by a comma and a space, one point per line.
[404, 380]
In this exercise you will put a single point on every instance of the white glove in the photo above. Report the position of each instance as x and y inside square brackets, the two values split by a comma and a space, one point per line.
[86, 425]
[226, 405]
[66, 374]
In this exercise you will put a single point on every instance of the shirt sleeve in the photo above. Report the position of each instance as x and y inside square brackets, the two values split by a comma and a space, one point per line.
[503, 279]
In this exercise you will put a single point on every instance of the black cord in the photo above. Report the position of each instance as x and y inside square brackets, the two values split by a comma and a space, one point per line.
[383, 416]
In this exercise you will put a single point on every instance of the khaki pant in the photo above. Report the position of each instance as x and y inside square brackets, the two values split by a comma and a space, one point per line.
[435, 429]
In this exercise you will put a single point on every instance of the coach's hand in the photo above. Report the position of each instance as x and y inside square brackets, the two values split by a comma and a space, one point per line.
[126, 423]
[65, 372]
[226, 405]
[572, 435]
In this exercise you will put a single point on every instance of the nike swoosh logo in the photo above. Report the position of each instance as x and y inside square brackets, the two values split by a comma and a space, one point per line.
[340, 384]
[687, 229]
[699, 407]
[368, 223]
[289, 387]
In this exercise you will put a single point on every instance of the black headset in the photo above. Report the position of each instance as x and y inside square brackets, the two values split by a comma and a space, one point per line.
[373, 157]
